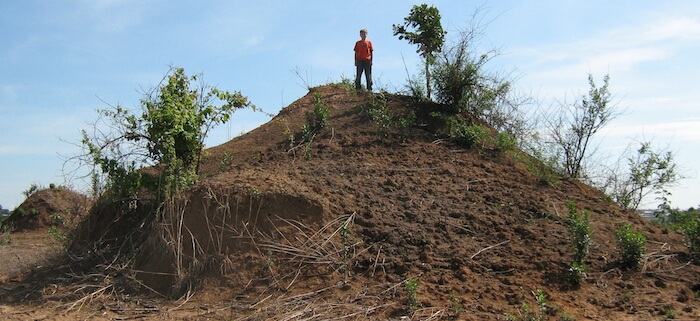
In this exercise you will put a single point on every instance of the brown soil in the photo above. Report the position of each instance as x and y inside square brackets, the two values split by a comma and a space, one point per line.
[283, 232]
[59, 207]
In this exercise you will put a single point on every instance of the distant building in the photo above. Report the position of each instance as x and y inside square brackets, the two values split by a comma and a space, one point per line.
[647, 214]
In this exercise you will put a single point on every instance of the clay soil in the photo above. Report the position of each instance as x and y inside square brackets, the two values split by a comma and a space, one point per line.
[339, 229]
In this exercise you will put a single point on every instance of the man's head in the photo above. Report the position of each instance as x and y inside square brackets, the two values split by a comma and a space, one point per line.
[363, 33]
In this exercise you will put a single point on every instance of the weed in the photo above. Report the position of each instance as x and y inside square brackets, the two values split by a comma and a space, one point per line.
[580, 229]
[668, 312]
[316, 119]
[541, 299]
[380, 114]
[56, 233]
[411, 287]
[525, 312]
[455, 307]
[405, 123]
[347, 83]
[631, 245]
[254, 191]
[31, 190]
[57, 218]
[226, 160]
[287, 132]
[576, 274]
[566, 317]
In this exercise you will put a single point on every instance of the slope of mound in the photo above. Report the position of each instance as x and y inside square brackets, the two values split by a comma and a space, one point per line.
[474, 228]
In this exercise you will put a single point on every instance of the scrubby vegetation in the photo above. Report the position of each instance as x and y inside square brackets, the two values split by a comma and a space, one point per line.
[686, 222]
[631, 246]
[170, 131]
[580, 233]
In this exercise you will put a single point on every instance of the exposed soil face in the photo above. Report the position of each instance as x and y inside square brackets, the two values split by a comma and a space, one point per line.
[280, 231]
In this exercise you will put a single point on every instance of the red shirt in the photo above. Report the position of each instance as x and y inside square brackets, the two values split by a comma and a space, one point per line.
[363, 50]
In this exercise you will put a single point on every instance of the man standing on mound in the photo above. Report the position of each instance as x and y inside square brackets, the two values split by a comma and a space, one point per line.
[363, 60]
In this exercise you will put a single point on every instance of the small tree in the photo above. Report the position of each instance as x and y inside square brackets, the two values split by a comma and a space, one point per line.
[650, 171]
[464, 85]
[574, 126]
[428, 34]
[175, 119]
[580, 232]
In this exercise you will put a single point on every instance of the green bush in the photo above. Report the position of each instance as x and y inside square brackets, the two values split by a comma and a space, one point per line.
[580, 229]
[461, 133]
[505, 142]
[170, 132]
[691, 230]
[631, 245]
[580, 232]
[465, 86]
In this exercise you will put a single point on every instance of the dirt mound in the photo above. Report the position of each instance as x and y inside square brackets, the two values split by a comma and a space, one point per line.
[475, 228]
[60, 207]
[363, 223]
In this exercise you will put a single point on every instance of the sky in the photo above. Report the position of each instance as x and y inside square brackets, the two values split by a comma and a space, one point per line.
[60, 61]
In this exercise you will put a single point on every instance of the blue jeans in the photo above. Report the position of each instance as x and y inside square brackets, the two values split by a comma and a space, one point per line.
[366, 67]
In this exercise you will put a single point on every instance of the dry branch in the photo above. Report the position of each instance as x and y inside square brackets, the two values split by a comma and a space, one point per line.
[488, 248]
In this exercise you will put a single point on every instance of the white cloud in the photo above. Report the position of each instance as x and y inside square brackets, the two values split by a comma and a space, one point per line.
[627, 58]
[678, 131]
[622, 48]
[682, 29]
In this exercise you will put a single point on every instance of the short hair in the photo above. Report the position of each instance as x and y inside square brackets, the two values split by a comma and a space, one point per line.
[363, 30]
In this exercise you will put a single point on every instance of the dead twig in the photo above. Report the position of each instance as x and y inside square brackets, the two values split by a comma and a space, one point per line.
[376, 259]
[488, 248]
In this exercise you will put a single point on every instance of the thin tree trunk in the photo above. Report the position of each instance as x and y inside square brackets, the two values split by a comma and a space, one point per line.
[427, 76]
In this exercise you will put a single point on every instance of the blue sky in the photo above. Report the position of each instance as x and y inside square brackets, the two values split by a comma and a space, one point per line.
[61, 60]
